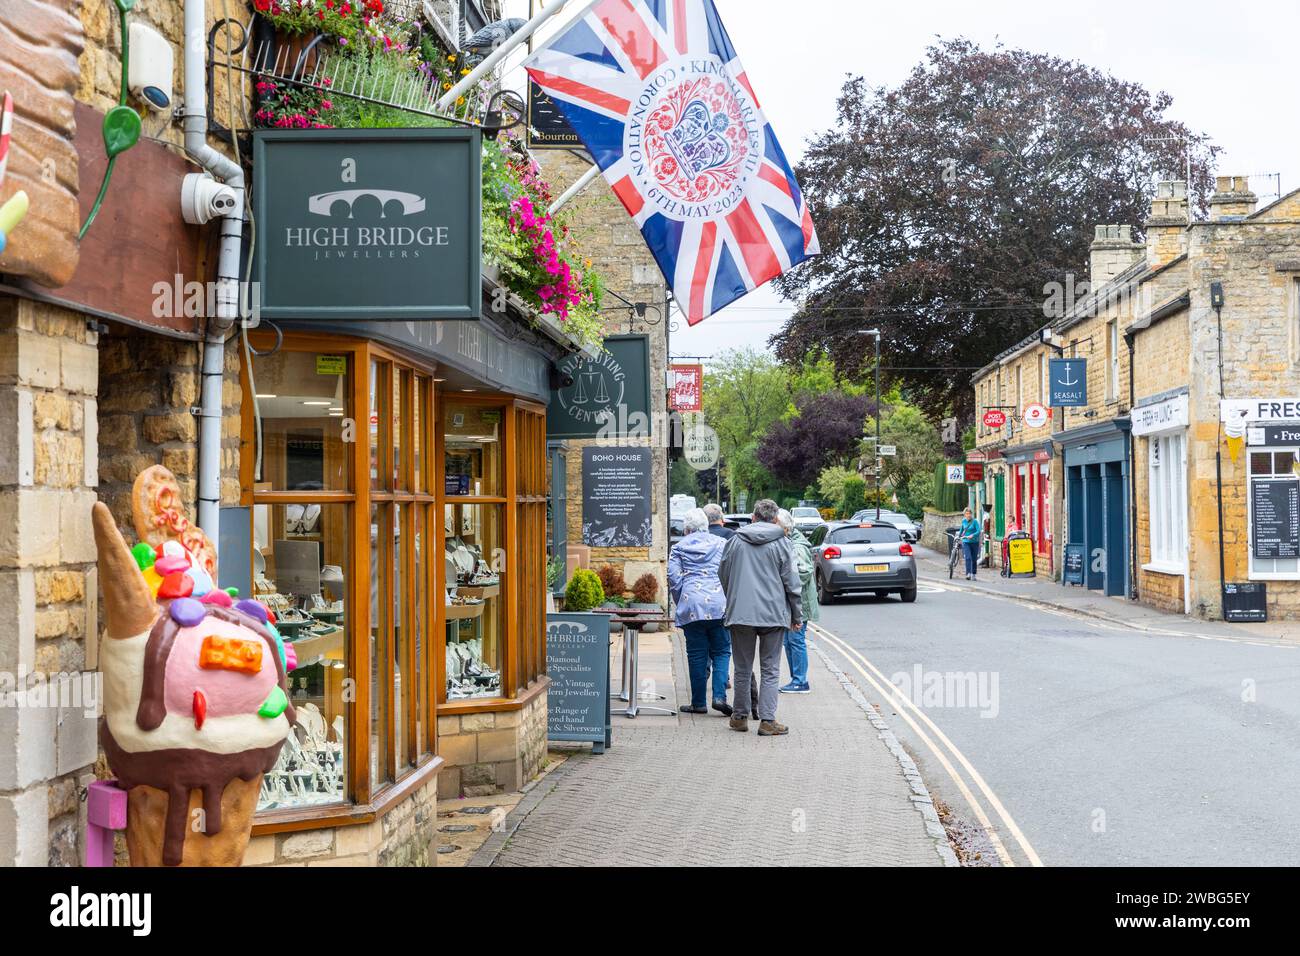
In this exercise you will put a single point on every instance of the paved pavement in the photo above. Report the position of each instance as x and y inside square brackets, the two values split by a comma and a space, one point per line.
[687, 791]
[1173, 744]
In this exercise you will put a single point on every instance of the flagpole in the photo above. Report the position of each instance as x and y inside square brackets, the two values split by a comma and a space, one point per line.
[582, 183]
[499, 54]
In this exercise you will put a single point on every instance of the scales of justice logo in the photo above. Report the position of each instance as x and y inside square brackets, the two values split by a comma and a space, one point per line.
[597, 391]
[693, 139]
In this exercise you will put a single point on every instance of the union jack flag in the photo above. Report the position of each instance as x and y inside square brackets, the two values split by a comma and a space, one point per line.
[654, 90]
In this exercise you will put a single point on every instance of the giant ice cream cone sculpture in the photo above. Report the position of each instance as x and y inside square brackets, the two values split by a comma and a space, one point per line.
[195, 695]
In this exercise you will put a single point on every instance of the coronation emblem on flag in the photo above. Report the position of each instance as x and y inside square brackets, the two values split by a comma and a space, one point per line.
[656, 93]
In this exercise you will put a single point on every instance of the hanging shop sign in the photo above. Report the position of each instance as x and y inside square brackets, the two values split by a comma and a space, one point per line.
[974, 471]
[375, 224]
[577, 661]
[616, 496]
[605, 397]
[1035, 415]
[994, 418]
[686, 388]
[547, 127]
[1159, 416]
[955, 474]
[1275, 518]
[1067, 382]
[700, 447]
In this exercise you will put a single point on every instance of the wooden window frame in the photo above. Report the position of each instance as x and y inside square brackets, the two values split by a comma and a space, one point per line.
[364, 799]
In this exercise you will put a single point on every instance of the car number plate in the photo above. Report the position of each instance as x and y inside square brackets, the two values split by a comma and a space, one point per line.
[870, 568]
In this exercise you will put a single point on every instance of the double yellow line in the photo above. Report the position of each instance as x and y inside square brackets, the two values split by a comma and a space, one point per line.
[945, 752]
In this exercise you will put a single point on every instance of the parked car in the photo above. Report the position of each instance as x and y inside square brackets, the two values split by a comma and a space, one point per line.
[902, 522]
[807, 520]
[857, 556]
[676, 531]
[737, 521]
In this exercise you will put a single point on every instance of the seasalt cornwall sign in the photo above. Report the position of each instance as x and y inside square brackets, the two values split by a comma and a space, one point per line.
[368, 224]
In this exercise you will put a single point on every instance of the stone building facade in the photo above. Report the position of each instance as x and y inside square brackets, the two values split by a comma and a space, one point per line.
[1146, 464]
[618, 252]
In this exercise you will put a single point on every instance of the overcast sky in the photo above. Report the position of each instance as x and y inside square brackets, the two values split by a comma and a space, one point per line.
[1231, 69]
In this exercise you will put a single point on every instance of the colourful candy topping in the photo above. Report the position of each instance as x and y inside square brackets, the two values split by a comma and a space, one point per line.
[177, 585]
[200, 709]
[255, 609]
[187, 612]
[143, 555]
[274, 704]
[219, 598]
[230, 654]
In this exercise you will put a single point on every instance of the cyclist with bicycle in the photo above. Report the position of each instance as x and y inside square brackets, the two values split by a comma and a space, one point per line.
[969, 536]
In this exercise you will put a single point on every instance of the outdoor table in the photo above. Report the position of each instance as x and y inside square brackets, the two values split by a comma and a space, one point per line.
[633, 620]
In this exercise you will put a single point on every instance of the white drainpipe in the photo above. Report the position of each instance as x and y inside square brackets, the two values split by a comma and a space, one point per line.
[227, 293]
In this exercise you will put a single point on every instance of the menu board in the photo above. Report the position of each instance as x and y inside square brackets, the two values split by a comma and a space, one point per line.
[1275, 517]
[577, 661]
[1074, 564]
[1245, 602]
[616, 497]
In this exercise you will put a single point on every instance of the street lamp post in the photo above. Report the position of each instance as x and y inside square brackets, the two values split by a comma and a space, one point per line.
[875, 333]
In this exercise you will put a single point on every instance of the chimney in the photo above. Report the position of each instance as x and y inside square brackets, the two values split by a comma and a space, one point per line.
[1113, 251]
[1167, 226]
[1232, 199]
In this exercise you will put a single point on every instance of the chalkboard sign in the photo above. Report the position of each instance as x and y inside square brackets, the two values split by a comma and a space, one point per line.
[1275, 518]
[616, 496]
[1245, 602]
[1074, 564]
[577, 661]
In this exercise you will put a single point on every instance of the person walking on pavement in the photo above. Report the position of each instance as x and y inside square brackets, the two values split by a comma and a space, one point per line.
[764, 597]
[796, 641]
[716, 527]
[969, 534]
[697, 595]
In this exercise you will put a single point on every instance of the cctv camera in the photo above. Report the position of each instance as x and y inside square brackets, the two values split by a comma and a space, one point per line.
[204, 199]
[149, 66]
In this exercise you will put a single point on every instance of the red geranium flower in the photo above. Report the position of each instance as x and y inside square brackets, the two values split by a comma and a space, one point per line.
[262, 5]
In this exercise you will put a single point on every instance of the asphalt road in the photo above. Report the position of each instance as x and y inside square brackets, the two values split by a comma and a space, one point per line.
[1105, 746]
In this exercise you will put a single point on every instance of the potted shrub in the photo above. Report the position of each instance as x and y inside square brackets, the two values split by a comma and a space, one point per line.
[583, 592]
[645, 594]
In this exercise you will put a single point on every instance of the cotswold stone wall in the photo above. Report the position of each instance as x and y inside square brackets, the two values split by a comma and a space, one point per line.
[48, 474]
[608, 237]
[493, 751]
[403, 836]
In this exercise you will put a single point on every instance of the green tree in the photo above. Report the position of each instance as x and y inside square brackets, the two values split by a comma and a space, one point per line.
[855, 496]
[745, 391]
[915, 439]
[682, 479]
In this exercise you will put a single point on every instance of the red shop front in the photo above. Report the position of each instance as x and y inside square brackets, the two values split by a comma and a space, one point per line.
[1030, 499]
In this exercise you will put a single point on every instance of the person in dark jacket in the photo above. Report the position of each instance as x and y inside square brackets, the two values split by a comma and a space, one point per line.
[716, 527]
[764, 600]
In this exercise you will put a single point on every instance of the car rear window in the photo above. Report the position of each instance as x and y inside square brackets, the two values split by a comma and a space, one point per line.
[864, 536]
[805, 513]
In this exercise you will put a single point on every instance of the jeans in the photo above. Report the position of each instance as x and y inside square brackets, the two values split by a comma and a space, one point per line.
[971, 549]
[707, 645]
[744, 641]
[796, 654]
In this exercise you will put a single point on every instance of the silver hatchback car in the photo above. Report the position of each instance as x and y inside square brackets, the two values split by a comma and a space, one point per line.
[857, 556]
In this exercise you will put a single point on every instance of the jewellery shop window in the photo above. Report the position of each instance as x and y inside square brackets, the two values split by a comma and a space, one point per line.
[476, 636]
[301, 559]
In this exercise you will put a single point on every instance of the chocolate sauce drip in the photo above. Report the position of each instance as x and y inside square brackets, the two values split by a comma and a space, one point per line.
[153, 707]
[177, 772]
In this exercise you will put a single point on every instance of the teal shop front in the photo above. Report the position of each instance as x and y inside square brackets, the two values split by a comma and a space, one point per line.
[1097, 500]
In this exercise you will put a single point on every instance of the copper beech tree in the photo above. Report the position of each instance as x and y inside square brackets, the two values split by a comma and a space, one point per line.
[946, 204]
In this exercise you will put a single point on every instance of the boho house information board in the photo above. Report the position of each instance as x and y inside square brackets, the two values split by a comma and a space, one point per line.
[616, 497]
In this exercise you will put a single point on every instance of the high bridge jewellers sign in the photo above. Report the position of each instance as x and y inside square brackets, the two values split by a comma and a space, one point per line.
[368, 224]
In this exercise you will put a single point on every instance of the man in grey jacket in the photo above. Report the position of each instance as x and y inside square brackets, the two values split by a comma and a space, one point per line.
[761, 582]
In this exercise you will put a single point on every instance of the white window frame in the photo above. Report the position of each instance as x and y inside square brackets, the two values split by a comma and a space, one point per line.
[1112, 360]
[1254, 572]
[1167, 536]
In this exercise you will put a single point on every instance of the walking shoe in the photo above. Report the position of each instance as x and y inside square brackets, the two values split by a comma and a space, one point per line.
[791, 688]
[722, 707]
[770, 728]
[692, 709]
[740, 723]
[802, 689]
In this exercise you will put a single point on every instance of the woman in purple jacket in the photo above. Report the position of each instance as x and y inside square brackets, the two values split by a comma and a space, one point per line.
[701, 606]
